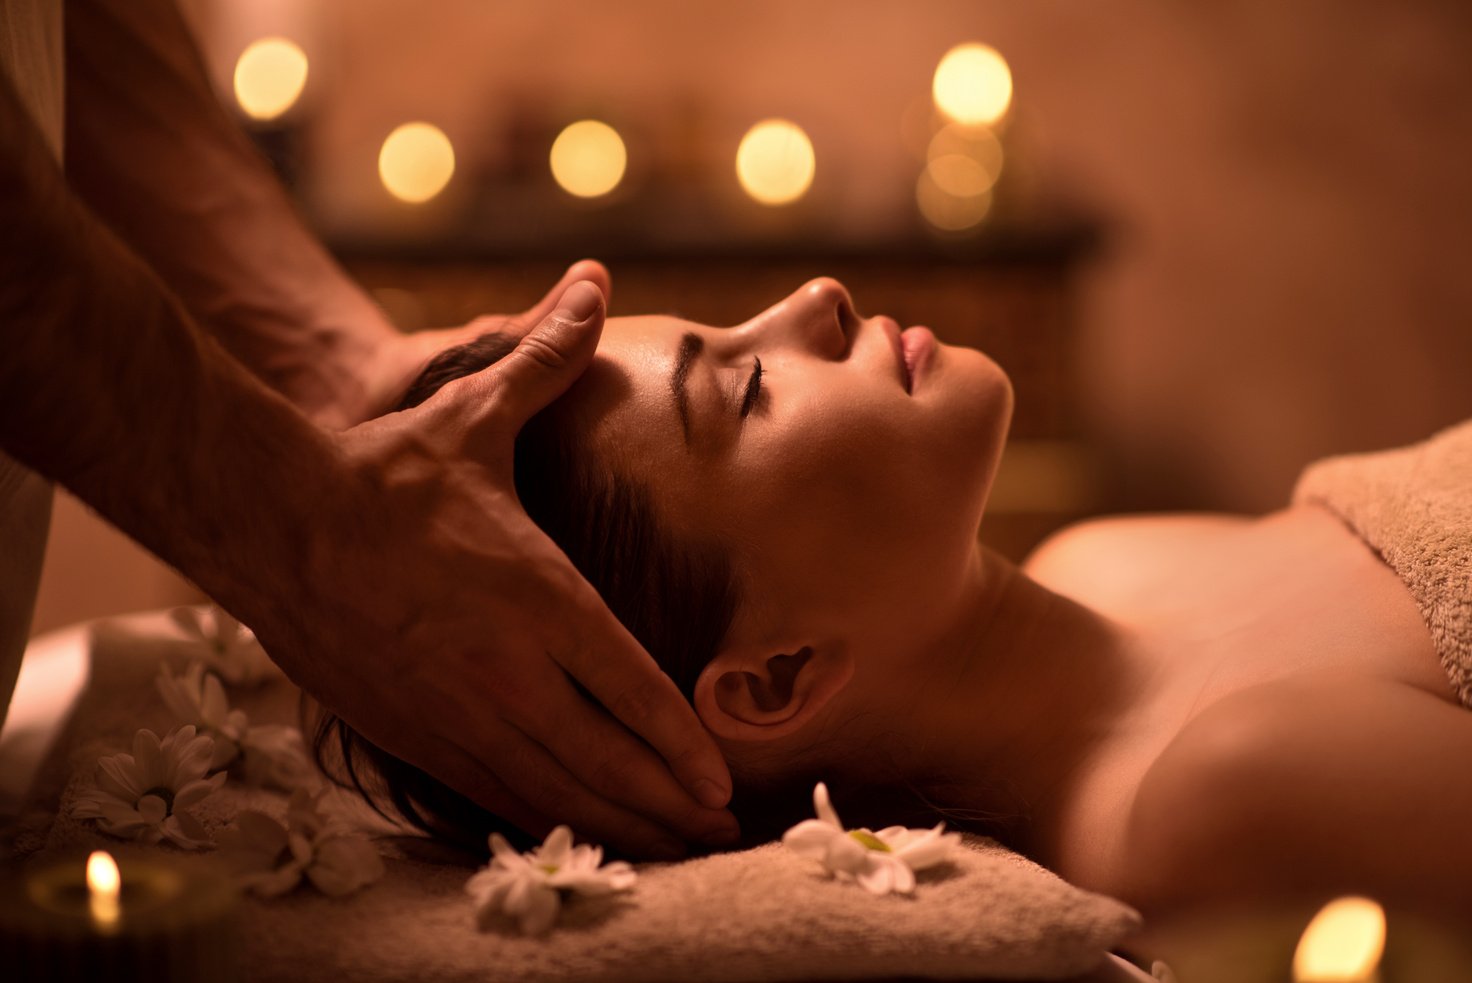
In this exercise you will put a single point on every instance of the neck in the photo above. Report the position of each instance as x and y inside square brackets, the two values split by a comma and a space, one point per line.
[1026, 686]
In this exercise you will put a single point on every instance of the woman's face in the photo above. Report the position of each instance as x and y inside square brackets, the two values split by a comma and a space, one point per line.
[847, 487]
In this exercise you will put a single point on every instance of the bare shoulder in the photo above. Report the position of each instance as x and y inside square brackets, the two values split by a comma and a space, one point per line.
[1321, 784]
[1127, 553]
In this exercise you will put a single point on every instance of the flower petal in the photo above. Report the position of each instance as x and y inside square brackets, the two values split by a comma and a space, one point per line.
[845, 855]
[878, 875]
[153, 809]
[810, 838]
[117, 775]
[824, 807]
[541, 910]
[190, 757]
[148, 759]
[343, 864]
[186, 831]
[256, 832]
[273, 883]
[197, 791]
[928, 848]
[557, 848]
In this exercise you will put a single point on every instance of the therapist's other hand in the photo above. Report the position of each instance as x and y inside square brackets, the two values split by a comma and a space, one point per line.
[469, 626]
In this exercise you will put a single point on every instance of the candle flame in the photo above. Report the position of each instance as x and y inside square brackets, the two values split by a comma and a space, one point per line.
[1343, 943]
[104, 884]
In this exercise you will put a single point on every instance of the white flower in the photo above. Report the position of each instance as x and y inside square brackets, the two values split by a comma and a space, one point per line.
[275, 756]
[146, 795]
[313, 844]
[226, 646]
[527, 886]
[269, 754]
[197, 698]
[881, 862]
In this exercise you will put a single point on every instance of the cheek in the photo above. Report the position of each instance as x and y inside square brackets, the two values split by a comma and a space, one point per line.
[855, 513]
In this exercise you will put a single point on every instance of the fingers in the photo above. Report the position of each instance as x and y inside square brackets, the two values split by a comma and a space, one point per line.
[623, 678]
[548, 359]
[545, 788]
[463, 773]
[584, 269]
[601, 754]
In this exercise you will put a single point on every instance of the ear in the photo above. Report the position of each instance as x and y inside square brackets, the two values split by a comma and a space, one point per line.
[751, 694]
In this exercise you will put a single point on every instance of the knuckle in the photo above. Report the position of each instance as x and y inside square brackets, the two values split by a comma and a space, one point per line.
[540, 350]
[633, 707]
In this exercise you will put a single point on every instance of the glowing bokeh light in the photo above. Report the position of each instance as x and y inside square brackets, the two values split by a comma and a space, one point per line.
[104, 885]
[976, 142]
[946, 211]
[958, 175]
[973, 85]
[1343, 943]
[416, 162]
[775, 162]
[588, 158]
[269, 77]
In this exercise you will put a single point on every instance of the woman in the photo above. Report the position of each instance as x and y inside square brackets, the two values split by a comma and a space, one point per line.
[1170, 710]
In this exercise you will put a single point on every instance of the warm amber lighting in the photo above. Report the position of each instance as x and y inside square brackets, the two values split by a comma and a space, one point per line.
[775, 162]
[978, 143]
[946, 211]
[416, 162]
[588, 159]
[1343, 943]
[958, 175]
[103, 887]
[973, 85]
[269, 77]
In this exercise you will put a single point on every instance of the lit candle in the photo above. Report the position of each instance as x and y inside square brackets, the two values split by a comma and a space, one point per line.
[129, 919]
[1343, 944]
[103, 888]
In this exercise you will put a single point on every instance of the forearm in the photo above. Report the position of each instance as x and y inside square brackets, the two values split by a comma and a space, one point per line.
[107, 388]
[160, 160]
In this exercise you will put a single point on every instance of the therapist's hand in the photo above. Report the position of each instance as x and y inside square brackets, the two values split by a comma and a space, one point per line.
[462, 661]
[401, 357]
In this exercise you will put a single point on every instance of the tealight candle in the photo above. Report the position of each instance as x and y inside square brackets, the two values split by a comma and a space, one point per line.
[131, 919]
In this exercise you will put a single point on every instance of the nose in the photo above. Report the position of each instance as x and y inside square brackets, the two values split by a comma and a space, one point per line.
[818, 316]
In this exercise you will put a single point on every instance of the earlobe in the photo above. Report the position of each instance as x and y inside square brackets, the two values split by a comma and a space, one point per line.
[757, 696]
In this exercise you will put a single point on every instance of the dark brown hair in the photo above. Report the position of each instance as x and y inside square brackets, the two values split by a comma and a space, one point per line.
[675, 596]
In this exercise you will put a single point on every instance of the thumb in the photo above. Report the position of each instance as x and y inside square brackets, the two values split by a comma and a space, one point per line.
[551, 356]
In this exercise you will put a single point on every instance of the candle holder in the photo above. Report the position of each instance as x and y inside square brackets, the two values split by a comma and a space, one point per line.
[166, 922]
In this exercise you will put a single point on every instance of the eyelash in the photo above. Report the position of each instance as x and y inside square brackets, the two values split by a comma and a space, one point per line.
[753, 390]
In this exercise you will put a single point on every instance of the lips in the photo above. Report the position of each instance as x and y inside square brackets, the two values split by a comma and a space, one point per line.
[892, 332]
[917, 345]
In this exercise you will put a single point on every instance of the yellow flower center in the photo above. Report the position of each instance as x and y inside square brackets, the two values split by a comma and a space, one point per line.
[869, 840]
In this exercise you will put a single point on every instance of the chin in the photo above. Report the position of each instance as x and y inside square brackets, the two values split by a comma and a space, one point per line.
[980, 399]
[977, 400]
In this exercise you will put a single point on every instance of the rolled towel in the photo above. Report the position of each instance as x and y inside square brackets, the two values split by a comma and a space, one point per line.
[1413, 506]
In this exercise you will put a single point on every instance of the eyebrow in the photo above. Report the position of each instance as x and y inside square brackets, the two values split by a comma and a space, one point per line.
[691, 345]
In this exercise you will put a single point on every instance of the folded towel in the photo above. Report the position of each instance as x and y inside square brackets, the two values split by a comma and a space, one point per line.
[760, 914]
[1413, 506]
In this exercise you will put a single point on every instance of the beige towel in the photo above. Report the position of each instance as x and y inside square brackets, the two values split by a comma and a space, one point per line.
[1413, 506]
[761, 914]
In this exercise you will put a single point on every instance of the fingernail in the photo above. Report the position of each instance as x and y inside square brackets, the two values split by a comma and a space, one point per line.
[667, 850]
[710, 794]
[579, 301]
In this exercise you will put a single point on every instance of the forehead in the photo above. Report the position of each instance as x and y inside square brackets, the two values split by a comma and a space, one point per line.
[623, 403]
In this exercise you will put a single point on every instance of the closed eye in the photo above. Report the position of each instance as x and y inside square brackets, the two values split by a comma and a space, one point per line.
[753, 389]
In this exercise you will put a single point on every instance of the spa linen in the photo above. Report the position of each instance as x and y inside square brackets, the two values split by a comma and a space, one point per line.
[31, 58]
[1413, 506]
